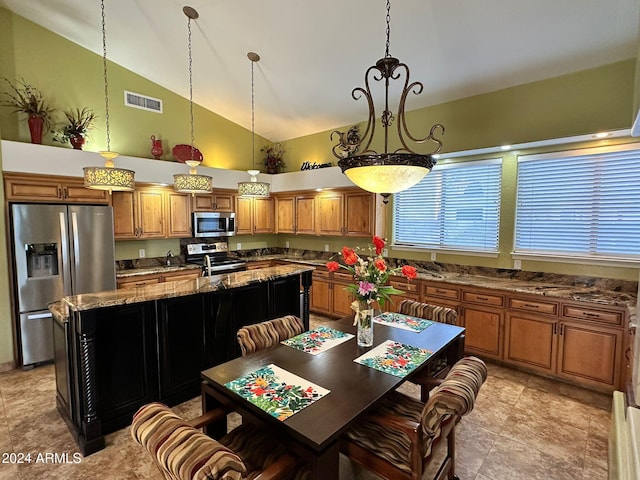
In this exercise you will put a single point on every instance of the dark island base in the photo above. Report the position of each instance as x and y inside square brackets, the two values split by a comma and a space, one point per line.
[110, 361]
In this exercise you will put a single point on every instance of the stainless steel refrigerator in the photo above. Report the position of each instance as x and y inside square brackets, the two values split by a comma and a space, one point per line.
[59, 250]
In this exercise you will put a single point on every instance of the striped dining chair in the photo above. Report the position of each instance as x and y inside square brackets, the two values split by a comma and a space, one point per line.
[268, 334]
[403, 438]
[182, 452]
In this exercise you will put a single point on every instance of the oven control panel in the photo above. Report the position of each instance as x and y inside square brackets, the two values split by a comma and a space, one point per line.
[204, 248]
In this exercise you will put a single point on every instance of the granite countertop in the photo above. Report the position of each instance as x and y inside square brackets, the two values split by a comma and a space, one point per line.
[89, 301]
[544, 285]
[134, 272]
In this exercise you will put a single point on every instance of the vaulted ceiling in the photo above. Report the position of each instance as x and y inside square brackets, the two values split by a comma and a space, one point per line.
[315, 52]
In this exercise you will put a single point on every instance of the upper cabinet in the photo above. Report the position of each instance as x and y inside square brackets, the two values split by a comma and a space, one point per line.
[218, 201]
[254, 215]
[50, 188]
[151, 212]
[348, 213]
[296, 214]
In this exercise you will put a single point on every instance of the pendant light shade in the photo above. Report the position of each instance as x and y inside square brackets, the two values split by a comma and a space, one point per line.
[253, 188]
[389, 171]
[192, 182]
[108, 177]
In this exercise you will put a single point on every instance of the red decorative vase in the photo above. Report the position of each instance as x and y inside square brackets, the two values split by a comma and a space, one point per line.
[35, 128]
[76, 141]
[156, 147]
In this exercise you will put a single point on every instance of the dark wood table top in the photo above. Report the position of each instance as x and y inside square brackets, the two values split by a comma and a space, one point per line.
[354, 387]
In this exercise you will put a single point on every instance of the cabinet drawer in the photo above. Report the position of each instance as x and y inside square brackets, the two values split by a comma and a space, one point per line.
[483, 298]
[405, 286]
[442, 292]
[547, 308]
[140, 282]
[320, 274]
[342, 277]
[584, 313]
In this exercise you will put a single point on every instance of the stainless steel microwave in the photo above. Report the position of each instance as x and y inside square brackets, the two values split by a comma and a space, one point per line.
[213, 224]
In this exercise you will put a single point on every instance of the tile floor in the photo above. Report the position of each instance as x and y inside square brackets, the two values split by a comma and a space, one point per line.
[522, 427]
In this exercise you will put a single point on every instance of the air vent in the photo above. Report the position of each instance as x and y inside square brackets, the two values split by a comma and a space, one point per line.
[137, 100]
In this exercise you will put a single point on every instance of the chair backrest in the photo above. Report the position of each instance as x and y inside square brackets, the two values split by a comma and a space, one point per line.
[180, 451]
[267, 334]
[428, 311]
[455, 396]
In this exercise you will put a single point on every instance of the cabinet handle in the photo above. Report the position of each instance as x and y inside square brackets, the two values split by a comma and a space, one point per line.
[215, 206]
[591, 314]
[555, 328]
[627, 354]
[440, 291]
[562, 329]
[65, 193]
[482, 298]
[60, 193]
[531, 305]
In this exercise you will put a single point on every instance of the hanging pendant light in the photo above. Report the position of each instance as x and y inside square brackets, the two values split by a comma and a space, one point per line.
[108, 177]
[386, 172]
[253, 188]
[192, 182]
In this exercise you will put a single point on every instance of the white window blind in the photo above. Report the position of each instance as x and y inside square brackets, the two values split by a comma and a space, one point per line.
[455, 207]
[582, 203]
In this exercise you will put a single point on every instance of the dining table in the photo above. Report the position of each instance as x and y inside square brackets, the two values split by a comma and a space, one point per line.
[343, 389]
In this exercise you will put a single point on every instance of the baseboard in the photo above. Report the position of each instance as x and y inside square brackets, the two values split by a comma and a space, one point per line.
[5, 367]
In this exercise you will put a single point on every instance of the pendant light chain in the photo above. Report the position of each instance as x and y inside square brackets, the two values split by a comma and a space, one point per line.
[388, 18]
[190, 86]
[253, 131]
[106, 83]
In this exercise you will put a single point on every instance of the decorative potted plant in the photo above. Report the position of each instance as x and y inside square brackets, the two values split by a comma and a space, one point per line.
[273, 158]
[79, 122]
[26, 98]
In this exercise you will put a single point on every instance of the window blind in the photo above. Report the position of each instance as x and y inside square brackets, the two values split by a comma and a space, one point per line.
[584, 203]
[456, 206]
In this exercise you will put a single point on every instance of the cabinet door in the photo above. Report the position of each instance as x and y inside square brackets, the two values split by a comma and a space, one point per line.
[179, 214]
[263, 215]
[320, 295]
[124, 218]
[139, 281]
[590, 354]
[330, 214]
[531, 341]
[285, 214]
[483, 331]
[151, 213]
[359, 214]
[203, 203]
[181, 349]
[181, 275]
[223, 202]
[33, 189]
[244, 216]
[305, 217]
[76, 192]
[342, 300]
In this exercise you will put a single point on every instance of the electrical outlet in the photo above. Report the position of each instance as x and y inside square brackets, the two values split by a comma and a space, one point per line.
[239, 246]
[326, 247]
[433, 256]
[286, 244]
[517, 264]
[385, 252]
[141, 253]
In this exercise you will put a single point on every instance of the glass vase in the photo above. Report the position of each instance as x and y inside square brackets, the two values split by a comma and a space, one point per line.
[365, 327]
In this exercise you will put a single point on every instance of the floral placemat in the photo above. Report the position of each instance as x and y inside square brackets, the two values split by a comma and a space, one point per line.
[277, 391]
[318, 340]
[394, 358]
[401, 320]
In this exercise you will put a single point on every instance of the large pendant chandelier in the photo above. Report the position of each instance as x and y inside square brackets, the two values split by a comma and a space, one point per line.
[389, 171]
[108, 177]
[253, 188]
[192, 182]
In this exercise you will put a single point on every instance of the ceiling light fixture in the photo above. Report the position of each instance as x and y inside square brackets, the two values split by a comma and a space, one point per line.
[192, 182]
[386, 172]
[108, 177]
[253, 188]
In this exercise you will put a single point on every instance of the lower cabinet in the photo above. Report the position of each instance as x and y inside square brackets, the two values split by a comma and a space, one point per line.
[484, 327]
[531, 341]
[328, 294]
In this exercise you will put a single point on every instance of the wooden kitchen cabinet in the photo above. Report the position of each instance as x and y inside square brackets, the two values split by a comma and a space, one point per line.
[296, 214]
[160, 277]
[350, 214]
[483, 318]
[531, 341]
[328, 295]
[259, 264]
[411, 291]
[178, 207]
[179, 275]
[218, 201]
[254, 215]
[51, 188]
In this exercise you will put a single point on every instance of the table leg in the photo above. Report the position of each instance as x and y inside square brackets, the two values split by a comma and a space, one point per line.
[326, 465]
[216, 429]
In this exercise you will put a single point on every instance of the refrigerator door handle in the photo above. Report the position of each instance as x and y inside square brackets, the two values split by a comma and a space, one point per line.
[64, 246]
[38, 316]
[76, 244]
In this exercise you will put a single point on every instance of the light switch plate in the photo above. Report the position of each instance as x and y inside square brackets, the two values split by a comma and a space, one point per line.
[517, 264]
[433, 256]
[326, 247]
[141, 253]
[286, 244]
[239, 246]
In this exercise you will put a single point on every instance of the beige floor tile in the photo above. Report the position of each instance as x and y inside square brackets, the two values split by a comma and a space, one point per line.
[595, 399]
[554, 406]
[473, 444]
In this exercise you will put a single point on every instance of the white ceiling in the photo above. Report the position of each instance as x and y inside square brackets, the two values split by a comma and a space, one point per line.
[315, 52]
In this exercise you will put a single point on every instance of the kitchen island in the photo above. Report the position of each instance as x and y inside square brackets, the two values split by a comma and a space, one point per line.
[118, 350]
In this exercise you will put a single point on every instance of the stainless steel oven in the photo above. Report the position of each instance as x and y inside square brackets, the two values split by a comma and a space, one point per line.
[213, 224]
[213, 259]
